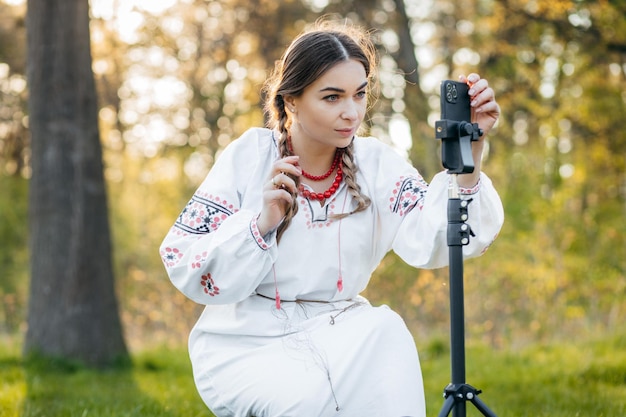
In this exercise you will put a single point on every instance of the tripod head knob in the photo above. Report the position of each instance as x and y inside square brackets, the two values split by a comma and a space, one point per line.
[470, 129]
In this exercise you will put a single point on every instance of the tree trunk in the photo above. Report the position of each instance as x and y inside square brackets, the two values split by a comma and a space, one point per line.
[424, 146]
[73, 310]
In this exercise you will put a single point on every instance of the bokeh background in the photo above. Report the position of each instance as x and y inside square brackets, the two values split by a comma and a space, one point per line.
[179, 80]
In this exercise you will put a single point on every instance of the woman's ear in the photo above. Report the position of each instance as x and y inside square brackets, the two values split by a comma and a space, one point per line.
[290, 104]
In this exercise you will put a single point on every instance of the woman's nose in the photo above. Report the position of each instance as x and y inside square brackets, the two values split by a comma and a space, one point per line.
[350, 111]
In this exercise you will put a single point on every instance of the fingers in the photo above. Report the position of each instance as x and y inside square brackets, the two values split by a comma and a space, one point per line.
[280, 189]
[485, 109]
[283, 174]
[279, 192]
[287, 165]
[281, 181]
[483, 98]
[470, 79]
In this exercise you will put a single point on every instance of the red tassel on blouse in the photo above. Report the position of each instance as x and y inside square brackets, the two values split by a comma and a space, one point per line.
[277, 297]
[277, 300]
[340, 279]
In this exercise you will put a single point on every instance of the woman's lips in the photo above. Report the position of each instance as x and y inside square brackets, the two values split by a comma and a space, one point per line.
[346, 132]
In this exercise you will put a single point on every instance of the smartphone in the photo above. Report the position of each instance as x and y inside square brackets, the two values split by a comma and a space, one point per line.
[455, 101]
[455, 107]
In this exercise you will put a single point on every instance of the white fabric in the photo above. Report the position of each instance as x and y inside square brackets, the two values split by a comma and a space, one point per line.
[251, 359]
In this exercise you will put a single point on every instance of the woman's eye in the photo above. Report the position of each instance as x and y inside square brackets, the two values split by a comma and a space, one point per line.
[361, 94]
[332, 97]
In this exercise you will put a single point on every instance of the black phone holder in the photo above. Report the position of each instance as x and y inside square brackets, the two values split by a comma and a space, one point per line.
[456, 144]
[456, 152]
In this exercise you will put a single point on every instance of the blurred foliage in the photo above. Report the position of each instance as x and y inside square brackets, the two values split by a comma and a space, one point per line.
[178, 81]
[14, 253]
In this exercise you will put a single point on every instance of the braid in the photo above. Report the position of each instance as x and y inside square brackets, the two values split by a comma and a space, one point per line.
[283, 150]
[349, 174]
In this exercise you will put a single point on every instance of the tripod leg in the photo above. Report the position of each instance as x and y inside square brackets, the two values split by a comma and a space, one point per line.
[482, 407]
[459, 409]
[447, 406]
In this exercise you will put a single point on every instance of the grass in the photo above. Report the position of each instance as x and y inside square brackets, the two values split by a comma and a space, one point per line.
[557, 380]
[158, 384]
[581, 378]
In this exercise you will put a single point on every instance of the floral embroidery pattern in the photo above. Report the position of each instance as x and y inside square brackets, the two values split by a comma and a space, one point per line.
[171, 256]
[317, 217]
[470, 191]
[204, 214]
[198, 260]
[256, 234]
[408, 194]
[209, 285]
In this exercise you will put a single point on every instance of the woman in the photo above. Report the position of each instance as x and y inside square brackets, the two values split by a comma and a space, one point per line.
[286, 230]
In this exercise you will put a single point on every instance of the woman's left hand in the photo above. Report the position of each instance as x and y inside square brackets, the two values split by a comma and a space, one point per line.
[485, 109]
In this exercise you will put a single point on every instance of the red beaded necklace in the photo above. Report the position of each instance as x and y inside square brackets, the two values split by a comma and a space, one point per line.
[326, 194]
[312, 177]
[337, 163]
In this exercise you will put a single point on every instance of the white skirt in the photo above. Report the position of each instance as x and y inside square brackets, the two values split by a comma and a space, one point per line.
[355, 361]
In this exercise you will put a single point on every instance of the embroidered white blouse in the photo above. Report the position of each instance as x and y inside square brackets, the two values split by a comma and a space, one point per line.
[215, 255]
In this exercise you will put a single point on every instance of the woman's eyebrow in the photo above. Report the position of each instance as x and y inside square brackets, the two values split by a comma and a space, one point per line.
[341, 90]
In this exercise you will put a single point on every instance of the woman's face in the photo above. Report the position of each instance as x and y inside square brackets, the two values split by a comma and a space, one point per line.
[329, 111]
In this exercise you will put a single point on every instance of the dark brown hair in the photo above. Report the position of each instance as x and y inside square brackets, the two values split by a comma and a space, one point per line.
[308, 57]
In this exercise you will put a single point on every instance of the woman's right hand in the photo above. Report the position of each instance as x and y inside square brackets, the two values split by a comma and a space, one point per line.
[279, 192]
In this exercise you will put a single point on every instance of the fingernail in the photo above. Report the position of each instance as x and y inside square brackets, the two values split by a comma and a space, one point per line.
[471, 92]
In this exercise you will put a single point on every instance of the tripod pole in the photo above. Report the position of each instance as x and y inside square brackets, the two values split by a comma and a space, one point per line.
[457, 306]
[458, 392]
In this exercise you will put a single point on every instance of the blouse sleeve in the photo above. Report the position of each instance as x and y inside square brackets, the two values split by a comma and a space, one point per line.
[214, 253]
[413, 214]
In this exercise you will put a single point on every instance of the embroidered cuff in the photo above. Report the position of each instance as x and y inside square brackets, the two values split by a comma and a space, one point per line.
[470, 191]
[256, 234]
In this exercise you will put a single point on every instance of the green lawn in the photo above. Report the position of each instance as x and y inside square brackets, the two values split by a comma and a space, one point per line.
[586, 379]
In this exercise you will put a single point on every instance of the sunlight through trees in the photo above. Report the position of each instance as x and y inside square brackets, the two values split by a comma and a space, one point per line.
[178, 80]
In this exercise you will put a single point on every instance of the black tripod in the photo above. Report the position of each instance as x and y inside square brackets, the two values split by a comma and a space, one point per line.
[456, 151]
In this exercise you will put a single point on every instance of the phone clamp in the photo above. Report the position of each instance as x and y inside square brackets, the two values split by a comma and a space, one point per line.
[456, 144]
